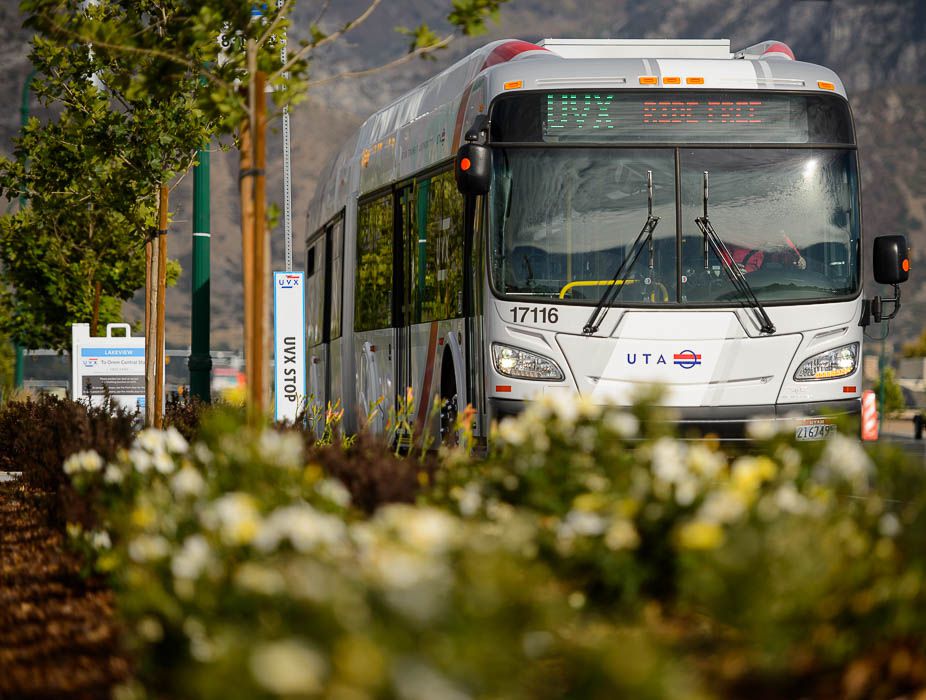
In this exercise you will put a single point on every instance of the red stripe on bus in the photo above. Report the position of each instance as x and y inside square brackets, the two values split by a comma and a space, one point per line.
[424, 400]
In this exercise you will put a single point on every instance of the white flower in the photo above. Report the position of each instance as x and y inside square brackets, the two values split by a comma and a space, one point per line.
[175, 442]
[511, 431]
[288, 667]
[188, 482]
[469, 500]
[789, 499]
[83, 461]
[621, 535]
[100, 540]
[164, 463]
[282, 449]
[425, 529]
[192, 559]
[202, 453]
[259, 579]
[113, 474]
[151, 440]
[585, 523]
[234, 516]
[585, 438]
[761, 429]
[686, 491]
[414, 680]
[889, 525]
[334, 491]
[705, 461]
[845, 457]
[305, 527]
[721, 507]
[146, 548]
[668, 460]
[623, 424]
[140, 459]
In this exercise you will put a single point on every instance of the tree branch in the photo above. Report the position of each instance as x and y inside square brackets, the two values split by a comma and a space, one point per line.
[304, 51]
[281, 14]
[423, 51]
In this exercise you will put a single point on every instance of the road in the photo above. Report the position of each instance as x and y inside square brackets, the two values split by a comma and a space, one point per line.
[900, 432]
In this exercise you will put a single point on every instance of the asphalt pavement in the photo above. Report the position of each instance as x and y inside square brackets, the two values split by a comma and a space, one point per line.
[900, 432]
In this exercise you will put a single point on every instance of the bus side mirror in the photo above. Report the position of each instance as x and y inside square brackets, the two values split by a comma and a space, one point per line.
[473, 168]
[891, 261]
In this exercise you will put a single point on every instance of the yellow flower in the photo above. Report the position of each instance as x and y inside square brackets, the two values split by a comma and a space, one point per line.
[143, 516]
[590, 502]
[700, 535]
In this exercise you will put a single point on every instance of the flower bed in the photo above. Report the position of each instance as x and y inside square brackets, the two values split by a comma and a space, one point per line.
[590, 555]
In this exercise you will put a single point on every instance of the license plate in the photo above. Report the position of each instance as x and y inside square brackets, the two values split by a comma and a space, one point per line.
[814, 430]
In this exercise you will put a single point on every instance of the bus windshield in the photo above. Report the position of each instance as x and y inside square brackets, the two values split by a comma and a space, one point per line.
[564, 218]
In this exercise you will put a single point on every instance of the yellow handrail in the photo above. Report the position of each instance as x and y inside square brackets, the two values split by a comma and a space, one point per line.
[592, 283]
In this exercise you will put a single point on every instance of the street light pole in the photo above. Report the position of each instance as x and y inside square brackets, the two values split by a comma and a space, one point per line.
[200, 362]
[19, 374]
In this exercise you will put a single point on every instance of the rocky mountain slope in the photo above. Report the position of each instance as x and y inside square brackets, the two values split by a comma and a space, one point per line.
[877, 46]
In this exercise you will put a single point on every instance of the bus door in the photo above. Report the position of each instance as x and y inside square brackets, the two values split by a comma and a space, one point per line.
[324, 291]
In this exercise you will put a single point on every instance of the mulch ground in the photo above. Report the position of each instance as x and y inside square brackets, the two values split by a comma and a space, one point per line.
[57, 635]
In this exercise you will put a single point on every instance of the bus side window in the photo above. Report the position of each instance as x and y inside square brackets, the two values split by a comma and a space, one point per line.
[336, 243]
[373, 293]
[443, 288]
[315, 292]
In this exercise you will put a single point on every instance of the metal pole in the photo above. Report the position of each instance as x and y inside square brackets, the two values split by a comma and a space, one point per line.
[200, 362]
[287, 172]
[19, 373]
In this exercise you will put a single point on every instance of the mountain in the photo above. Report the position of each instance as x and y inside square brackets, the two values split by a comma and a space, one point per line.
[878, 47]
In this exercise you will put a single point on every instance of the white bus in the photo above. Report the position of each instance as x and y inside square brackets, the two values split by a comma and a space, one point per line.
[588, 216]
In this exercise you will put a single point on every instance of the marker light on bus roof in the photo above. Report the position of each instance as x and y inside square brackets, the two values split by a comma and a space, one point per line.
[825, 85]
[671, 80]
[694, 81]
[514, 84]
[832, 364]
[649, 80]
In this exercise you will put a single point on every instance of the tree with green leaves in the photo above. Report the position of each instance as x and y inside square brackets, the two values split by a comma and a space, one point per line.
[893, 397]
[231, 54]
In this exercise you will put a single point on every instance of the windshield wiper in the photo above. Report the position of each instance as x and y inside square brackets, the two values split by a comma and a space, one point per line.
[736, 276]
[620, 277]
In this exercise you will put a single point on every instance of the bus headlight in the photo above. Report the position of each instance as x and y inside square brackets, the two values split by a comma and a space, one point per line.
[514, 362]
[832, 364]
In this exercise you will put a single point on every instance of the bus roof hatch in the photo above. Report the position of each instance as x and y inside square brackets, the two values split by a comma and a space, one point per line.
[638, 48]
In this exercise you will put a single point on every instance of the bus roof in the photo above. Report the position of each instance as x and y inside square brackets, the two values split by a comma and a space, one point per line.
[424, 126]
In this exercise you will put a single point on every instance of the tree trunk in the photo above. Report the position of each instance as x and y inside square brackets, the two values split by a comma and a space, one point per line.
[261, 262]
[161, 308]
[246, 184]
[150, 316]
[95, 318]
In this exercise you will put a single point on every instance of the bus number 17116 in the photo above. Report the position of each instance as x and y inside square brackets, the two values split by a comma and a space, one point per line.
[534, 314]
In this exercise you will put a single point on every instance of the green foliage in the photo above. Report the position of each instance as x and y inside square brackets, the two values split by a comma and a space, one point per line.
[917, 348]
[894, 400]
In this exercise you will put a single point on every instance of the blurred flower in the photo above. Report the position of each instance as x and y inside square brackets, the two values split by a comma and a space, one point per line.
[144, 548]
[425, 529]
[585, 523]
[621, 535]
[623, 424]
[83, 461]
[100, 540]
[113, 474]
[151, 440]
[140, 459]
[844, 457]
[889, 525]
[303, 526]
[192, 559]
[281, 449]
[234, 516]
[700, 534]
[288, 667]
[163, 463]
[188, 482]
[175, 442]
[334, 491]
[415, 680]
[761, 429]
[260, 579]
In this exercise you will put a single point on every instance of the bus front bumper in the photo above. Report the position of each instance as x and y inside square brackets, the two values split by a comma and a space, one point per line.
[730, 422]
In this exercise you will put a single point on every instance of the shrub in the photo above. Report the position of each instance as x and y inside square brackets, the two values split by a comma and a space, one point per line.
[36, 436]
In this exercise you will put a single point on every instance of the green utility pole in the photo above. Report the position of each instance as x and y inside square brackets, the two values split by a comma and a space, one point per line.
[23, 120]
[200, 362]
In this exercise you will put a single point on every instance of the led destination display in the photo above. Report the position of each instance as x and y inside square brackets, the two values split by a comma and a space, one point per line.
[688, 116]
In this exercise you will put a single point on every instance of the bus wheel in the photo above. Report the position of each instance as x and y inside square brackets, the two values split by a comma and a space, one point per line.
[449, 398]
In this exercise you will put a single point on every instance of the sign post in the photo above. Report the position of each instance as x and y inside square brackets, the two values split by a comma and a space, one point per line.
[113, 365]
[288, 344]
